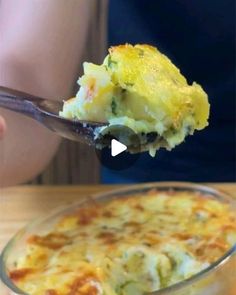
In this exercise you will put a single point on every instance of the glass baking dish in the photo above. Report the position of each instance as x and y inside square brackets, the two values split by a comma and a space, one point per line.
[218, 279]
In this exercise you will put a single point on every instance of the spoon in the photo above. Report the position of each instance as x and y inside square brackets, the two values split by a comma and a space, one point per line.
[46, 112]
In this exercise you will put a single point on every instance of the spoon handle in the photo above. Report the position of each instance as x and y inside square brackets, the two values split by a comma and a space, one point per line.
[46, 112]
[19, 102]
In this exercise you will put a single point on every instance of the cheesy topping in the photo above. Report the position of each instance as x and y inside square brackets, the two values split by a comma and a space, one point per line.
[128, 246]
[139, 87]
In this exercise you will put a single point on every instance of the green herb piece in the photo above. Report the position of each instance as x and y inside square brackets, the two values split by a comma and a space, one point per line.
[129, 84]
[141, 52]
[114, 106]
[123, 286]
[173, 130]
[111, 62]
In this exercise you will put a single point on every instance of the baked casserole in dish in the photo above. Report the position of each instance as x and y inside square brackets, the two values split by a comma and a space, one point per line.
[164, 238]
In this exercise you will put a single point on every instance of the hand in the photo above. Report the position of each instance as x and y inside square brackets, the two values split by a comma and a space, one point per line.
[2, 127]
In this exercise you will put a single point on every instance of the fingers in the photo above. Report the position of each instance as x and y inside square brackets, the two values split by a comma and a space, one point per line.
[2, 127]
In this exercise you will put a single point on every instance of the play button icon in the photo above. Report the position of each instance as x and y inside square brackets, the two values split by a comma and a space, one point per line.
[117, 147]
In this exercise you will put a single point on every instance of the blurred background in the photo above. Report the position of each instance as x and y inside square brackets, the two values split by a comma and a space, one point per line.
[199, 37]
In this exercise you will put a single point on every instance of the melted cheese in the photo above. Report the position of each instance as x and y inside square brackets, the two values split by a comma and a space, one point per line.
[127, 246]
[139, 87]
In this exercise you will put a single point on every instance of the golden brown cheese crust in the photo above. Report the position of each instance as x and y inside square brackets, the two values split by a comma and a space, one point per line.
[83, 244]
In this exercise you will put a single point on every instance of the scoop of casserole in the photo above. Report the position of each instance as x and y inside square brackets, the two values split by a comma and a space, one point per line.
[139, 87]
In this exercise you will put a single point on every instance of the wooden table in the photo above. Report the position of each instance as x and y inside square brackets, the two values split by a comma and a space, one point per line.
[19, 205]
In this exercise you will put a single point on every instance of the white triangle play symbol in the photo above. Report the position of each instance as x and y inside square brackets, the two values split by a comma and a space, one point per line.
[117, 147]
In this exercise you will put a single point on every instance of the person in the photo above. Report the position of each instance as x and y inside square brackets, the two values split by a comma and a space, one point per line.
[2, 127]
[42, 47]
[197, 36]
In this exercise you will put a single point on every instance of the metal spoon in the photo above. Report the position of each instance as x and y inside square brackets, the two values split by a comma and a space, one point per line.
[46, 112]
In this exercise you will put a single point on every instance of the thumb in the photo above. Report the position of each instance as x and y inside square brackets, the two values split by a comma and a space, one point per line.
[2, 127]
